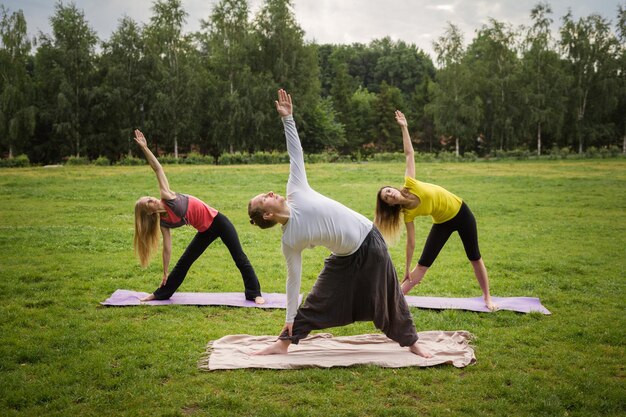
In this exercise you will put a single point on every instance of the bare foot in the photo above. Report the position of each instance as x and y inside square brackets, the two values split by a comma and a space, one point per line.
[490, 305]
[419, 351]
[279, 347]
[259, 300]
[147, 298]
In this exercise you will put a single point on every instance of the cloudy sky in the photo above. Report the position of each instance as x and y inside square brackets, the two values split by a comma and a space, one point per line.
[338, 21]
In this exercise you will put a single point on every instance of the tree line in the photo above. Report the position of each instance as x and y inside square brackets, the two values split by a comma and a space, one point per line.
[68, 93]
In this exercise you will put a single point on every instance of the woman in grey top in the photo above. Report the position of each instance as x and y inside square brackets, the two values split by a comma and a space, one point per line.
[358, 282]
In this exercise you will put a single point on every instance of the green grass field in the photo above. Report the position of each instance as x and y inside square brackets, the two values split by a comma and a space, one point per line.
[553, 230]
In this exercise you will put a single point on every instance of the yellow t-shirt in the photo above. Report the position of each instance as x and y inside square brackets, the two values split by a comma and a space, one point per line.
[435, 201]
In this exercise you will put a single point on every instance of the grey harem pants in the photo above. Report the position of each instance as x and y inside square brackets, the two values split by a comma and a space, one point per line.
[359, 287]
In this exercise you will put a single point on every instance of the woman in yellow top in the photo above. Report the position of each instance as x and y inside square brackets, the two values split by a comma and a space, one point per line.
[449, 214]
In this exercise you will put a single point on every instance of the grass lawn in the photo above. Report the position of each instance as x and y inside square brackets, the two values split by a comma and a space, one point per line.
[554, 230]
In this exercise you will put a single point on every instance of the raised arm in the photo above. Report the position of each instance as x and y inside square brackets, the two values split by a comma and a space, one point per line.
[297, 171]
[164, 186]
[407, 145]
[283, 104]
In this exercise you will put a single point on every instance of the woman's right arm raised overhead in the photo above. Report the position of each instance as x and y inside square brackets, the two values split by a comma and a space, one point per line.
[409, 172]
[164, 186]
[407, 145]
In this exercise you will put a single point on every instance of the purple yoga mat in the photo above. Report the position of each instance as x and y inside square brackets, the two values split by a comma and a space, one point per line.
[234, 299]
[274, 300]
[519, 304]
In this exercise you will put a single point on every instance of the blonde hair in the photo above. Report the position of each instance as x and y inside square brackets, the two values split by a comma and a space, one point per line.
[146, 240]
[387, 218]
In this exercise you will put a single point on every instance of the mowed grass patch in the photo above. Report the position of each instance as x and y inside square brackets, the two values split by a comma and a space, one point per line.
[553, 230]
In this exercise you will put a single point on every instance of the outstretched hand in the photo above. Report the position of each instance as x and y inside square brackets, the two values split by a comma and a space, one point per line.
[148, 297]
[140, 139]
[288, 327]
[401, 119]
[283, 104]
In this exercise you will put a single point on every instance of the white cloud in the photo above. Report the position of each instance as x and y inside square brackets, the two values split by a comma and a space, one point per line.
[442, 7]
[336, 21]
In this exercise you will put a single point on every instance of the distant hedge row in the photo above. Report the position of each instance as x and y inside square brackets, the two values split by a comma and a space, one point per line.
[239, 158]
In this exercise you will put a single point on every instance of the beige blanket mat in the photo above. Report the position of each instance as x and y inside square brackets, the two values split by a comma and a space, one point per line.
[325, 351]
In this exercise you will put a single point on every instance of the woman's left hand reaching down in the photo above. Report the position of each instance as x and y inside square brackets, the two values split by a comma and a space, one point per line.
[151, 297]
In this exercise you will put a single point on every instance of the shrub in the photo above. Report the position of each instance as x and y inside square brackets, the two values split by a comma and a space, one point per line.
[592, 152]
[470, 156]
[316, 158]
[332, 156]
[617, 150]
[260, 157]
[388, 157]
[19, 161]
[341, 158]
[612, 151]
[131, 161]
[77, 160]
[236, 158]
[102, 161]
[500, 154]
[445, 156]
[519, 154]
[169, 159]
[425, 157]
[195, 158]
[274, 157]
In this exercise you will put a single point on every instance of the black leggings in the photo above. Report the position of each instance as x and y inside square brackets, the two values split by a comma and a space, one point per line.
[464, 223]
[224, 229]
